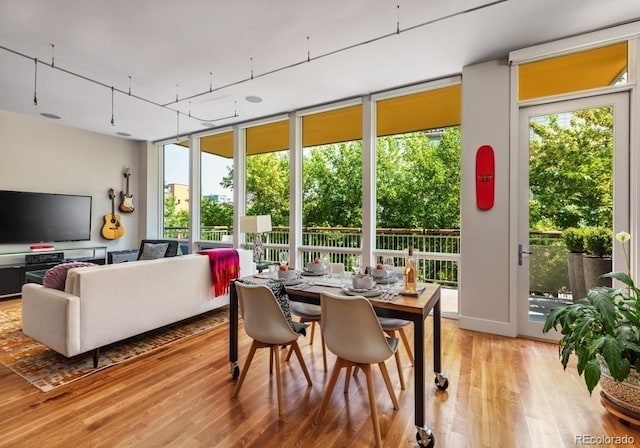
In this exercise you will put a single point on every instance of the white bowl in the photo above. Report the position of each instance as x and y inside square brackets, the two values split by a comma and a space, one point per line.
[287, 275]
[363, 281]
[380, 273]
[316, 268]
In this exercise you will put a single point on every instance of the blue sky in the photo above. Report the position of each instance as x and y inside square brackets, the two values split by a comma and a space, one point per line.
[176, 167]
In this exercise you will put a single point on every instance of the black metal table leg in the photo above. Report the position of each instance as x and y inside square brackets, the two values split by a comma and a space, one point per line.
[233, 331]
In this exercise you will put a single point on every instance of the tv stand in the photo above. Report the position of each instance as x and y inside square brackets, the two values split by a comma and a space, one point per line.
[14, 265]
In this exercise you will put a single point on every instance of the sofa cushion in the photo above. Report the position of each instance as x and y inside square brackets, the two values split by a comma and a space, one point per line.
[56, 277]
[152, 251]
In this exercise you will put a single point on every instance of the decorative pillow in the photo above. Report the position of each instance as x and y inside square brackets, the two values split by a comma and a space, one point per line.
[151, 251]
[56, 277]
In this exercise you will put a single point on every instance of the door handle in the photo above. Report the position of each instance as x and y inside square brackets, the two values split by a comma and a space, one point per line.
[520, 252]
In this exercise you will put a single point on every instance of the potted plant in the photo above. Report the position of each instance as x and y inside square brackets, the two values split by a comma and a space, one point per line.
[603, 332]
[574, 241]
[596, 262]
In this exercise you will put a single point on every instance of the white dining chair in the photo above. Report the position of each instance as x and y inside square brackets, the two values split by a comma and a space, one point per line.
[352, 332]
[265, 323]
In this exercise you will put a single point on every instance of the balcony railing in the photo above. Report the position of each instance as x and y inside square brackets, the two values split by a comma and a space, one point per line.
[437, 252]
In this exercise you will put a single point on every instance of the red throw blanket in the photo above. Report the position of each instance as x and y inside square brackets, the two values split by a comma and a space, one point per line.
[225, 266]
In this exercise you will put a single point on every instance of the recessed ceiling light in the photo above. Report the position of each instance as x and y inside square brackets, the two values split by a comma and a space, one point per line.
[123, 134]
[253, 99]
[48, 115]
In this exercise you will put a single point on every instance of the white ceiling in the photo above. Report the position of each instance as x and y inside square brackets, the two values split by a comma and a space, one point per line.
[352, 45]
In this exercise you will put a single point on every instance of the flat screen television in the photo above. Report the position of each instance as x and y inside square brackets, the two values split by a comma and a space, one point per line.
[28, 217]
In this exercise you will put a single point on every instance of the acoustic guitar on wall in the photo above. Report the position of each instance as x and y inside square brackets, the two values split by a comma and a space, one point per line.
[126, 199]
[112, 228]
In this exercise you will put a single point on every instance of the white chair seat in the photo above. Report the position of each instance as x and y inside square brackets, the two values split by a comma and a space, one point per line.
[389, 323]
[305, 310]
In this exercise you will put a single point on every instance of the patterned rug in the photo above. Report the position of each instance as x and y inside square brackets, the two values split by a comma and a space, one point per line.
[46, 369]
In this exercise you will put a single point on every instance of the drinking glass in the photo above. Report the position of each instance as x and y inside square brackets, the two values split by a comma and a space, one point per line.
[355, 265]
[284, 257]
[326, 261]
[389, 265]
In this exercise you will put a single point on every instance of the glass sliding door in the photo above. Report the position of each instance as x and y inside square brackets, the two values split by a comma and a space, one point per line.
[573, 173]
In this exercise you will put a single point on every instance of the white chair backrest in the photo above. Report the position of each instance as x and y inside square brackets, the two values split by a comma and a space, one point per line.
[263, 318]
[351, 329]
[336, 268]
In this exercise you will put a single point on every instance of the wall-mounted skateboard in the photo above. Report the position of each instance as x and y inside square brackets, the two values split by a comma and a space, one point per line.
[485, 177]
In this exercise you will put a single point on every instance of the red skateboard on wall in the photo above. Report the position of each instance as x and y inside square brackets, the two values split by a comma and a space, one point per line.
[485, 177]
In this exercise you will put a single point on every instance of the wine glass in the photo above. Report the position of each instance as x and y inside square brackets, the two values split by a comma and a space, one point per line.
[389, 265]
[326, 261]
[355, 265]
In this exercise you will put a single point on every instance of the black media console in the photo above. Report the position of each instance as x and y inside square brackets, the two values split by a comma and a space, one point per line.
[15, 265]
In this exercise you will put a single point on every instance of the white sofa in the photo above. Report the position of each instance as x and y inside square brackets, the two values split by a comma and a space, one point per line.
[105, 304]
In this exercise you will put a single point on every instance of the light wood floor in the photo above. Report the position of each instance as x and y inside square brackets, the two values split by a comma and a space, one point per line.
[503, 393]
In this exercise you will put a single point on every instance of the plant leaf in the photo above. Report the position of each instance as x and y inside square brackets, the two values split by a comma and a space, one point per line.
[592, 374]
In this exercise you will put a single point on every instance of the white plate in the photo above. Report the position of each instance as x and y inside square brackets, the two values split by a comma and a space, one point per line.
[293, 281]
[290, 282]
[351, 291]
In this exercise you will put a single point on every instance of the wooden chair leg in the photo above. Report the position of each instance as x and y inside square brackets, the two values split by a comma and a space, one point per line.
[324, 352]
[387, 382]
[347, 379]
[330, 386]
[399, 366]
[245, 368]
[366, 368]
[276, 353]
[289, 353]
[313, 329]
[407, 346]
[270, 362]
[296, 349]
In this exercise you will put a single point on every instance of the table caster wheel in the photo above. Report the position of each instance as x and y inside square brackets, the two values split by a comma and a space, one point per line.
[442, 382]
[425, 438]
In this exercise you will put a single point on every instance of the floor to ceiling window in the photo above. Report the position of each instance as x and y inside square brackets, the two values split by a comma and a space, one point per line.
[573, 178]
[267, 183]
[418, 153]
[216, 186]
[332, 184]
[176, 191]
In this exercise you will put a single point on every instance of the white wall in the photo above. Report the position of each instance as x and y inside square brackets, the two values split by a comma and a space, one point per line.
[484, 266]
[38, 154]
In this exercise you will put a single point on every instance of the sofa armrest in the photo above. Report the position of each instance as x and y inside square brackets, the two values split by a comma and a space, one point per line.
[51, 317]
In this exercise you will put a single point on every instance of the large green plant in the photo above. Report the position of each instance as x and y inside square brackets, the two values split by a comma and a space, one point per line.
[605, 325]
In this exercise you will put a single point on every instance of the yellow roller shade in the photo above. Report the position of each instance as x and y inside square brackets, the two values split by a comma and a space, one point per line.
[218, 144]
[333, 126]
[438, 108]
[267, 138]
[590, 69]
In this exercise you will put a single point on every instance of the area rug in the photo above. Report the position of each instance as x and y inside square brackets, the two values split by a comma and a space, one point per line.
[46, 369]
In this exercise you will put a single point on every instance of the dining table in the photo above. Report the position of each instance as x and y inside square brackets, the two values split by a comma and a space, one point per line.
[390, 302]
